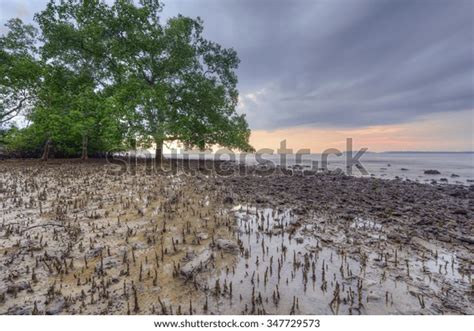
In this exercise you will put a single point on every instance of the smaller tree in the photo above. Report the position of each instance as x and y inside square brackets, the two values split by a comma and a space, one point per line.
[75, 117]
[71, 117]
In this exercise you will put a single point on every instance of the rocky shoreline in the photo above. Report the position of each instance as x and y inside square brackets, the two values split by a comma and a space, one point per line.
[435, 212]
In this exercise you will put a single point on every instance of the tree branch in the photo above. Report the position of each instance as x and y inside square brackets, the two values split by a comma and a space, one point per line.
[13, 112]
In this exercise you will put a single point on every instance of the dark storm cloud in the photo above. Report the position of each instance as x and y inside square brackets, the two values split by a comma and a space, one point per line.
[346, 62]
[340, 62]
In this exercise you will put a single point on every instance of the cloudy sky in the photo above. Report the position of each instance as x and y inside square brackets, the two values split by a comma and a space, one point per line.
[391, 74]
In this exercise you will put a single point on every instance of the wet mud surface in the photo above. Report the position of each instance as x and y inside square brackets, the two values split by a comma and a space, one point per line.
[77, 238]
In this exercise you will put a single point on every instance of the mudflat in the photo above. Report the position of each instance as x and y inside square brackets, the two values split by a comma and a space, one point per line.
[84, 238]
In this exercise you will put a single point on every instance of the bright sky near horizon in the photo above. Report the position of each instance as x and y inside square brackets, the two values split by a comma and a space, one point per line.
[392, 75]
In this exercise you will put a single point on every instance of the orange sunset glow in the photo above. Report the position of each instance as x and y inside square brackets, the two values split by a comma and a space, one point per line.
[424, 134]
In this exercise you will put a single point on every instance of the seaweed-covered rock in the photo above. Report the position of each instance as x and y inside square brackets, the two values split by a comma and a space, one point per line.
[227, 245]
[196, 264]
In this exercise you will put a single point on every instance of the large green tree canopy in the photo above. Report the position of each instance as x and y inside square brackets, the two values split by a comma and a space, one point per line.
[120, 67]
[167, 81]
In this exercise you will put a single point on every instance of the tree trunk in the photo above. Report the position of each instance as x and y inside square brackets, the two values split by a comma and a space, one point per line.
[46, 150]
[159, 151]
[84, 148]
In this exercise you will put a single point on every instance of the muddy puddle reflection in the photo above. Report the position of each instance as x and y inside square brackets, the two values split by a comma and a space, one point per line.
[320, 266]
